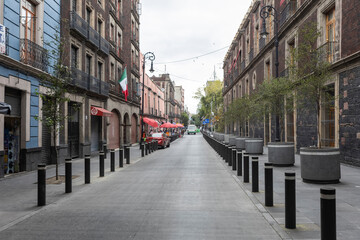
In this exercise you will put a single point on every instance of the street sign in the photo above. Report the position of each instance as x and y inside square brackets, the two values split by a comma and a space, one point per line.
[206, 120]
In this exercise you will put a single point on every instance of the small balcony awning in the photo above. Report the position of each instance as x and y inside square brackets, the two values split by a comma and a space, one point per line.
[5, 108]
[97, 111]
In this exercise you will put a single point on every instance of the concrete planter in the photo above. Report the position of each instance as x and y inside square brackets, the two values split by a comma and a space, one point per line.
[240, 143]
[232, 141]
[281, 153]
[320, 165]
[254, 145]
[227, 138]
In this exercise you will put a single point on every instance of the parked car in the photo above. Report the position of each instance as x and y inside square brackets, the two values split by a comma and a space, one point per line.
[163, 140]
[191, 129]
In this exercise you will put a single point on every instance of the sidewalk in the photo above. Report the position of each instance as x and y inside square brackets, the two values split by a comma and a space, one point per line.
[308, 201]
[18, 198]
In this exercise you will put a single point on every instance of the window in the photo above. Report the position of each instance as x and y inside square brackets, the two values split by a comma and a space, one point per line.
[328, 117]
[119, 44]
[99, 26]
[74, 5]
[330, 34]
[88, 16]
[88, 64]
[112, 72]
[100, 70]
[28, 21]
[119, 7]
[254, 81]
[112, 32]
[74, 56]
[247, 87]
[268, 70]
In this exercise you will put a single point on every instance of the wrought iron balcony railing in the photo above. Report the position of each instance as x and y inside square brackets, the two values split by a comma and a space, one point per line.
[261, 43]
[34, 55]
[326, 52]
[94, 37]
[251, 55]
[79, 78]
[288, 11]
[104, 45]
[78, 24]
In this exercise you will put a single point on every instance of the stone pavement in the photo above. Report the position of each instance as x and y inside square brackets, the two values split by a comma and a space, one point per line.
[183, 192]
[308, 201]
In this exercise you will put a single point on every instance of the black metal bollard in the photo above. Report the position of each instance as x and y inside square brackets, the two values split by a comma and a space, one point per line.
[146, 148]
[112, 160]
[68, 175]
[229, 156]
[234, 159]
[269, 202]
[121, 158]
[101, 164]
[127, 155]
[290, 200]
[239, 163]
[226, 153]
[255, 174]
[142, 150]
[246, 168]
[328, 213]
[41, 184]
[87, 169]
[105, 151]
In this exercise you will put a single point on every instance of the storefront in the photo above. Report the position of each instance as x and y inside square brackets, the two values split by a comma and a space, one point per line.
[96, 126]
[12, 132]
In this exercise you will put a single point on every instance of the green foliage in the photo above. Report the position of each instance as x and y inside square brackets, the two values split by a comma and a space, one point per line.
[184, 119]
[210, 97]
[310, 71]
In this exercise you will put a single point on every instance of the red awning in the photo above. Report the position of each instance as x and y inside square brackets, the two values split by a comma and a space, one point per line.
[168, 125]
[96, 111]
[151, 122]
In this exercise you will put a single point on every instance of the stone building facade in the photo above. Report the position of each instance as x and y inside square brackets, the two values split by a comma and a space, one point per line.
[250, 59]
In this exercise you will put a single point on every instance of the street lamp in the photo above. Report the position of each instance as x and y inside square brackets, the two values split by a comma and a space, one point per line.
[150, 56]
[268, 11]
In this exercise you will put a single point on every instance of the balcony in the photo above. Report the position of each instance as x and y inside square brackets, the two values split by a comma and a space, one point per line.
[93, 37]
[94, 85]
[251, 55]
[104, 88]
[33, 55]
[326, 52]
[104, 46]
[79, 78]
[134, 39]
[288, 11]
[78, 24]
[242, 65]
[135, 68]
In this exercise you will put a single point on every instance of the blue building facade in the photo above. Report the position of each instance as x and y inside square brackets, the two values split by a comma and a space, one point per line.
[31, 26]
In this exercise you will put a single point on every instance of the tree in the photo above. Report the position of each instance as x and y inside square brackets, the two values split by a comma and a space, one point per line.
[310, 70]
[56, 87]
[276, 97]
[211, 102]
[184, 119]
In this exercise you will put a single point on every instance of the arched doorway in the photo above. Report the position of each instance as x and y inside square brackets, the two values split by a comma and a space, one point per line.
[134, 123]
[113, 130]
[126, 127]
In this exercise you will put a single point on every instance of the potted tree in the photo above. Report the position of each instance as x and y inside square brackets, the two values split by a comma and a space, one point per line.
[311, 71]
[276, 94]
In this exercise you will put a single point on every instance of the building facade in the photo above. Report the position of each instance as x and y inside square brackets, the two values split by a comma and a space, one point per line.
[27, 28]
[164, 81]
[180, 102]
[250, 60]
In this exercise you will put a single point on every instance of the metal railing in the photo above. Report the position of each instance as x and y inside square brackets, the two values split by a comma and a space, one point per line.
[93, 37]
[33, 54]
[288, 11]
[261, 43]
[284, 73]
[78, 24]
[79, 78]
[251, 55]
[104, 45]
[326, 52]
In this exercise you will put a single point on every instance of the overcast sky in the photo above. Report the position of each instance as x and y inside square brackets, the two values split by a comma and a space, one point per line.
[181, 29]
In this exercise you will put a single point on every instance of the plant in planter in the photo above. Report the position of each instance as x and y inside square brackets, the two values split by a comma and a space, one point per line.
[310, 71]
[276, 95]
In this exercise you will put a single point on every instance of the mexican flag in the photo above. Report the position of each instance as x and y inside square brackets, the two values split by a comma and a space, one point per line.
[123, 83]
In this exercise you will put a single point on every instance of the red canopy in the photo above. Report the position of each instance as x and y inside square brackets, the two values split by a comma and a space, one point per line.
[179, 125]
[168, 125]
[96, 111]
[151, 122]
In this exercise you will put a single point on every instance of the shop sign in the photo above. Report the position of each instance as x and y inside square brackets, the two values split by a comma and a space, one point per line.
[2, 39]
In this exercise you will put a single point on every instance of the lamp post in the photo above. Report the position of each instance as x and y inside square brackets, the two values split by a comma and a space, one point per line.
[268, 11]
[150, 56]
